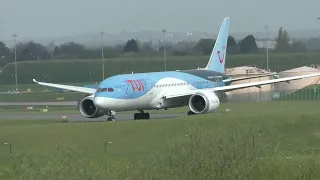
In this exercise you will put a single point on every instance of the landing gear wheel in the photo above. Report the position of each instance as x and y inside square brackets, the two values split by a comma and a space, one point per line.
[191, 113]
[112, 118]
[137, 116]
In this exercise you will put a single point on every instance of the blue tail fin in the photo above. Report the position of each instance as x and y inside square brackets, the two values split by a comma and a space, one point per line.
[218, 55]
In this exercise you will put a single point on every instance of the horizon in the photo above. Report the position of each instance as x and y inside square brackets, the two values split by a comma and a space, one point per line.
[273, 31]
[38, 19]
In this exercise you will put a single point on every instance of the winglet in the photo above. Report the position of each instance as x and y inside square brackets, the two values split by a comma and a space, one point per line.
[35, 81]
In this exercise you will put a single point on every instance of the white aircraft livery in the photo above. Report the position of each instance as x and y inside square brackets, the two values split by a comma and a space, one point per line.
[196, 88]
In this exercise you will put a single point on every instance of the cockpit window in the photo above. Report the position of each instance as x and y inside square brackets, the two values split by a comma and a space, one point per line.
[105, 90]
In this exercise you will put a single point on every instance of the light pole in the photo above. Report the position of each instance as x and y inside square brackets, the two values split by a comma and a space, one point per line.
[15, 60]
[102, 56]
[267, 38]
[164, 49]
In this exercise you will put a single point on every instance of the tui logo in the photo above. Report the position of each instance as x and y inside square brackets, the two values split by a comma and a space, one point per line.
[221, 59]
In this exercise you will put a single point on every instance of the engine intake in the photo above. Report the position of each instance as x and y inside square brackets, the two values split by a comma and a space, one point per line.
[204, 102]
[88, 109]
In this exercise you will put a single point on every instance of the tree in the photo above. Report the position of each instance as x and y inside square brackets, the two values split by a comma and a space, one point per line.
[298, 46]
[72, 50]
[313, 44]
[5, 55]
[231, 41]
[147, 47]
[232, 46]
[205, 46]
[33, 51]
[50, 48]
[282, 41]
[248, 44]
[131, 45]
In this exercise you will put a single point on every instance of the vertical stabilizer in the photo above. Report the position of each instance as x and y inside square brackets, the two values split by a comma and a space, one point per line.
[218, 55]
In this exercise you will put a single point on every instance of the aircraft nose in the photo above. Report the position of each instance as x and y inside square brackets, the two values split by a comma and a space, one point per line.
[99, 102]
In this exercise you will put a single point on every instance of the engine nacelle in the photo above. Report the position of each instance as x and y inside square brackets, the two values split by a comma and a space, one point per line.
[204, 102]
[88, 109]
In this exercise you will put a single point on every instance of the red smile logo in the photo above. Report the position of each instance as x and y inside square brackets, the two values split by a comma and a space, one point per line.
[221, 59]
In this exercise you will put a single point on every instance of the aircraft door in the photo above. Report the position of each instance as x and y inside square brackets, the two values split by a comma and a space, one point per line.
[149, 94]
[192, 82]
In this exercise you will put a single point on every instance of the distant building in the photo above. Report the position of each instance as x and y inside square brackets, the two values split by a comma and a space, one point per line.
[263, 43]
[252, 93]
[293, 86]
[270, 91]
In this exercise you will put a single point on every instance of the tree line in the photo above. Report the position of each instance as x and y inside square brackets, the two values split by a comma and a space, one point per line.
[71, 50]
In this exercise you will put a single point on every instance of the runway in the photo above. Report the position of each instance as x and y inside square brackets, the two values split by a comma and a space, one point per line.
[79, 117]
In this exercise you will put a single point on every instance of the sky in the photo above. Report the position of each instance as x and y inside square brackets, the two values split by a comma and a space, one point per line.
[56, 18]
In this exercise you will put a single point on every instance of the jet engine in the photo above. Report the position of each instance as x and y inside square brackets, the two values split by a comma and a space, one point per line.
[203, 102]
[88, 109]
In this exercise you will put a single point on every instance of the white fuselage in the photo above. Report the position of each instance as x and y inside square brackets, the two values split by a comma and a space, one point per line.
[151, 100]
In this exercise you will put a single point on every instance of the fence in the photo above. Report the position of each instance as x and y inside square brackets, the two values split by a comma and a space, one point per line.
[306, 94]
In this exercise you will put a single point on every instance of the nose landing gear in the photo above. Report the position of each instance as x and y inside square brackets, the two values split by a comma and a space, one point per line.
[111, 115]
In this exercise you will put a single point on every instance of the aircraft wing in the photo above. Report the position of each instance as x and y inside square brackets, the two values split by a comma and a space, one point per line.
[68, 87]
[239, 86]
[249, 77]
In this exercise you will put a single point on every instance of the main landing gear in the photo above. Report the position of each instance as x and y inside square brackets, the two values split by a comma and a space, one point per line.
[141, 115]
[111, 116]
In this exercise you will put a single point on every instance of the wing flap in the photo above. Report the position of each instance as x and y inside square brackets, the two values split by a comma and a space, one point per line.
[68, 87]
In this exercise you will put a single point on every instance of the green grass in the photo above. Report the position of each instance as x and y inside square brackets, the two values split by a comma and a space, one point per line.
[61, 71]
[16, 109]
[36, 88]
[252, 141]
[42, 97]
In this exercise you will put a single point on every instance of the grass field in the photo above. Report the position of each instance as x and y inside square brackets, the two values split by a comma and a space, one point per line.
[61, 71]
[17, 109]
[42, 97]
[274, 140]
[37, 88]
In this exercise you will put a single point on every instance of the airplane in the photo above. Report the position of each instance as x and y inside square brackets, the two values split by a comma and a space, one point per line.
[196, 88]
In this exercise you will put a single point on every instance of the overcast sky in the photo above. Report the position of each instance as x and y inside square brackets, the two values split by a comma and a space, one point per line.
[54, 18]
